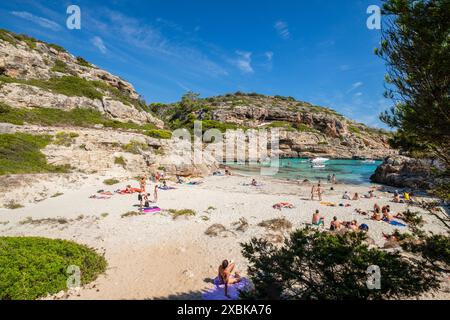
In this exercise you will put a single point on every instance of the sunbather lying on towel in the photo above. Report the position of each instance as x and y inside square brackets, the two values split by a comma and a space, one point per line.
[281, 205]
[129, 190]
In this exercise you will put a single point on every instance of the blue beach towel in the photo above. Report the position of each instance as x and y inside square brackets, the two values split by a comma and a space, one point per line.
[218, 292]
[395, 223]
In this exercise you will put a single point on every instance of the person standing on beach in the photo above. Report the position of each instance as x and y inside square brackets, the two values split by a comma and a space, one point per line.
[313, 191]
[142, 183]
[155, 194]
[319, 192]
[333, 179]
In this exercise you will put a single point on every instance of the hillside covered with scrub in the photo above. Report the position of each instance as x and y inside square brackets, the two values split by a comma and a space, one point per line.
[93, 121]
[306, 130]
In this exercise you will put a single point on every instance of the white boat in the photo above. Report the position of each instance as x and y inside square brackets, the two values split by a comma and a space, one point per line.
[319, 160]
[318, 166]
[368, 161]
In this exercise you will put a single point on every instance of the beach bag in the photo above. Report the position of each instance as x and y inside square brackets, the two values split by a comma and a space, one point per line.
[364, 227]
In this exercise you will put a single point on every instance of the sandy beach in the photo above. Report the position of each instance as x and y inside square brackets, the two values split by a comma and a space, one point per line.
[154, 256]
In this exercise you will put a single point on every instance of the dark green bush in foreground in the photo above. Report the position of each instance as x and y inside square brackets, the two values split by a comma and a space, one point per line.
[34, 267]
[314, 265]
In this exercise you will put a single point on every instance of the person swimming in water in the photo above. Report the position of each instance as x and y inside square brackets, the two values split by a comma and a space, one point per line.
[225, 276]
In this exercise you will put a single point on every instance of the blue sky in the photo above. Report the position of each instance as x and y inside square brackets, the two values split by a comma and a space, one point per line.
[319, 51]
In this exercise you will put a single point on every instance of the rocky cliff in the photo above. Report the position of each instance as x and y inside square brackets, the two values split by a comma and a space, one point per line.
[46, 90]
[37, 74]
[305, 130]
[401, 171]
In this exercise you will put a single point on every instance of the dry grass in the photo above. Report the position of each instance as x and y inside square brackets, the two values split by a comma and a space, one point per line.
[279, 224]
[12, 205]
[132, 214]
[32, 221]
[182, 213]
[241, 225]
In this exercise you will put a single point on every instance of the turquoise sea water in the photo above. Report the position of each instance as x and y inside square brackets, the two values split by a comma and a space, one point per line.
[346, 171]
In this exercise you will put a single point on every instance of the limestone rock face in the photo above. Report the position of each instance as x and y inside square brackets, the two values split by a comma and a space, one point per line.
[25, 96]
[406, 172]
[305, 130]
[21, 62]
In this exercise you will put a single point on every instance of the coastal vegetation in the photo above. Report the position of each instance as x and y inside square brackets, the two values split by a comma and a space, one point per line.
[415, 48]
[74, 86]
[32, 268]
[110, 182]
[181, 213]
[315, 265]
[21, 153]
[78, 117]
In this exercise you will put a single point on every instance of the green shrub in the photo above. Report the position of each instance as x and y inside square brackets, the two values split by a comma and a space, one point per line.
[82, 62]
[132, 214]
[120, 161]
[65, 139]
[12, 205]
[183, 212]
[159, 134]
[56, 47]
[60, 66]
[354, 129]
[135, 147]
[21, 153]
[111, 182]
[339, 263]
[73, 86]
[31, 267]
[54, 117]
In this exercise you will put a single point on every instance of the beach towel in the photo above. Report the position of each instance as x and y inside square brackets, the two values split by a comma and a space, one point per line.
[218, 292]
[328, 204]
[194, 183]
[151, 210]
[281, 205]
[395, 223]
[166, 188]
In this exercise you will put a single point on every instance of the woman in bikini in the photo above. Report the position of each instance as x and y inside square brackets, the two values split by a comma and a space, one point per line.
[225, 276]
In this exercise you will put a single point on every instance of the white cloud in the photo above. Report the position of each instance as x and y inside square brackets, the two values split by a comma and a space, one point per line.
[282, 29]
[269, 56]
[98, 43]
[358, 94]
[181, 49]
[43, 22]
[354, 86]
[244, 61]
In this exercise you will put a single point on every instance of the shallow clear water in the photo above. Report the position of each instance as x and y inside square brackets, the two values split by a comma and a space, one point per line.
[346, 171]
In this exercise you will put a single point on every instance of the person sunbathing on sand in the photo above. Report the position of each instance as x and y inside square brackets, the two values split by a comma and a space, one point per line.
[335, 224]
[317, 219]
[376, 208]
[387, 216]
[377, 216]
[356, 197]
[346, 196]
[225, 276]
[369, 195]
[397, 199]
[254, 183]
